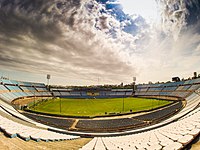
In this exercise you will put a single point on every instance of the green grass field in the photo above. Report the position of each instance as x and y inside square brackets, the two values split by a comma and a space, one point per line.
[95, 107]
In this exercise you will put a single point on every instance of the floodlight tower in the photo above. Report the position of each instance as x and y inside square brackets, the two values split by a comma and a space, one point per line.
[48, 78]
[134, 87]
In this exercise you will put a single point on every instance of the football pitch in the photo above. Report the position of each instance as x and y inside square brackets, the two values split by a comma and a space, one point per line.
[96, 107]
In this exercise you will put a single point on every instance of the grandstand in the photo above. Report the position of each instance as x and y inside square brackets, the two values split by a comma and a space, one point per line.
[24, 127]
[91, 92]
[12, 90]
[174, 126]
[172, 89]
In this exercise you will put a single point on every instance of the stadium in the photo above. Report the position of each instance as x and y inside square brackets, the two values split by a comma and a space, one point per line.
[170, 125]
[99, 74]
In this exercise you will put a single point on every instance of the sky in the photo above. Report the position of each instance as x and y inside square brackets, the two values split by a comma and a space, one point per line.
[146, 8]
[88, 42]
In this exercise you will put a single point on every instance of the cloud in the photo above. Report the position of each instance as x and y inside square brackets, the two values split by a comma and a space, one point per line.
[59, 37]
[166, 56]
[83, 40]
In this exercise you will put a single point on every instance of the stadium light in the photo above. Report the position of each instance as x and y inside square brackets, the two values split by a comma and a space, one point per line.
[48, 78]
[134, 88]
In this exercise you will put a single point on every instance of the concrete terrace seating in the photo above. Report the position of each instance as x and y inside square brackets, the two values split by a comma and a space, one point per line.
[37, 133]
[13, 129]
[70, 93]
[11, 111]
[175, 89]
[11, 90]
[159, 114]
[172, 136]
[108, 125]
[64, 123]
